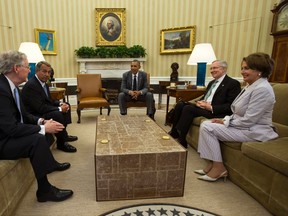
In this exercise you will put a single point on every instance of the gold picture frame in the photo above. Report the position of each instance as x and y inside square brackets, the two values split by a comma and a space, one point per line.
[46, 40]
[110, 26]
[177, 40]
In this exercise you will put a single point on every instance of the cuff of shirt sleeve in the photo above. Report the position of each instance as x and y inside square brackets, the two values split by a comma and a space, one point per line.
[226, 120]
[42, 131]
[41, 121]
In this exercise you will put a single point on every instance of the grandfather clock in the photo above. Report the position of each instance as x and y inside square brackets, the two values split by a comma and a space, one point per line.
[280, 47]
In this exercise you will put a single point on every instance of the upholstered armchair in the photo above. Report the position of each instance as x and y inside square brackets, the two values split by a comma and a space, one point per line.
[90, 93]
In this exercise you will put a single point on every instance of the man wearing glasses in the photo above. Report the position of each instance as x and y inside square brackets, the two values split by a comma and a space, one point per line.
[215, 103]
[37, 100]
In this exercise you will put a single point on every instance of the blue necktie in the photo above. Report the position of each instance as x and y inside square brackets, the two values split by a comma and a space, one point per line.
[45, 90]
[17, 100]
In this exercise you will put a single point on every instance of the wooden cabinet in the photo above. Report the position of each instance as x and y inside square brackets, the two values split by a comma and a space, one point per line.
[280, 47]
[280, 55]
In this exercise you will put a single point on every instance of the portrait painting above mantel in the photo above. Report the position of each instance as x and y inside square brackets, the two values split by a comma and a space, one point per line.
[110, 26]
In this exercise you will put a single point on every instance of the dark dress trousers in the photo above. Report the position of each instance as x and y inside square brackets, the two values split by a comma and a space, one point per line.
[223, 97]
[22, 140]
[142, 86]
[39, 104]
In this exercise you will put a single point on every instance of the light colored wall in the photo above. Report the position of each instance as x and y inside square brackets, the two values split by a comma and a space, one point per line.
[234, 27]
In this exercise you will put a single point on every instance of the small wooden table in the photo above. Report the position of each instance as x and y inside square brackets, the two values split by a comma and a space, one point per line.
[182, 94]
[57, 93]
[162, 89]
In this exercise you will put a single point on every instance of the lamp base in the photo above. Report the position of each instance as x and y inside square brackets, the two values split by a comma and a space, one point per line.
[32, 70]
[201, 74]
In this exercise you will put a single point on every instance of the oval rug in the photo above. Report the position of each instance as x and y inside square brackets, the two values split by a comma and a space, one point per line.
[157, 209]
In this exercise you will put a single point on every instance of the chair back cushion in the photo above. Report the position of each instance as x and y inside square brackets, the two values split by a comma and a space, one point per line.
[89, 85]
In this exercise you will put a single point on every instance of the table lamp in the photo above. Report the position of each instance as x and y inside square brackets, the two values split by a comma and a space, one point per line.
[201, 55]
[34, 55]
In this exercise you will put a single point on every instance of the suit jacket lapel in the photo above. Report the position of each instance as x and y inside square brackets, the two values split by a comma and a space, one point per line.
[140, 80]
[221, 85]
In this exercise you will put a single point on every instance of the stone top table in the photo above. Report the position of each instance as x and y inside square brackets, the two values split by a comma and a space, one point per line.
[136, 162]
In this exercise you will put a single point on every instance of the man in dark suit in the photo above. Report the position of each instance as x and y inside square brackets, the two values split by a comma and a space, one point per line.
[22, 135]
[37, 100]
[134, 86]
[215, 103]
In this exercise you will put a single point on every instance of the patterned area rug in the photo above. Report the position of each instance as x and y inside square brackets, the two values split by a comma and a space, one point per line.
[157, 209]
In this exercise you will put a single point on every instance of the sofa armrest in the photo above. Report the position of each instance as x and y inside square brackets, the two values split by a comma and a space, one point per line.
[198, 120]
[281, 129]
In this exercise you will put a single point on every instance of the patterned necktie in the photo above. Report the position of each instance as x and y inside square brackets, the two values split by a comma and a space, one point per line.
[45, 90]
[17, 100]
[210, 90]
[134, 83]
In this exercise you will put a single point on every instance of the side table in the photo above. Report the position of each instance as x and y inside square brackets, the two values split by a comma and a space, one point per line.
[162, 89]
[182, 94]
[57, 93]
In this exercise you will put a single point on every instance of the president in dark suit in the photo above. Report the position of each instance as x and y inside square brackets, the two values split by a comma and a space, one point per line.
[22, 135]
[134, 87]
[215, 103]
[37, 100]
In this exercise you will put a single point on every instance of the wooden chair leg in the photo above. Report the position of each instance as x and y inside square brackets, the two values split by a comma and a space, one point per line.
[109, 109]
[100, 110]
[79, 116]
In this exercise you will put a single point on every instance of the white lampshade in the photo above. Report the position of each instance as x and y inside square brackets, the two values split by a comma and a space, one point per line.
[33, 52]
[202, 53]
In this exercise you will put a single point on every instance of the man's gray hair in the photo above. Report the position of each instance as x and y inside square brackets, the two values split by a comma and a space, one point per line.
[222, 63]
[9, 59]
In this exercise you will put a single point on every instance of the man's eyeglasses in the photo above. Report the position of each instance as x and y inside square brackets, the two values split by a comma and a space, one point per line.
[28, 67]
[215, 68]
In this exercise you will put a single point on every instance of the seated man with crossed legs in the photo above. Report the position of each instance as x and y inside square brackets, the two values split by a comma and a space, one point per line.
[37, 100]
[216, 102]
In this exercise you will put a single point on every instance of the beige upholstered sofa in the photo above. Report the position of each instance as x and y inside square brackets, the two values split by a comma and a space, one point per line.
[259, 168]
[16, 176]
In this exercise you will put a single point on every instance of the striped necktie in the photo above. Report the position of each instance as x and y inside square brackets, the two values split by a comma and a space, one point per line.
[45, 90]
[17, 100]
[210, 90]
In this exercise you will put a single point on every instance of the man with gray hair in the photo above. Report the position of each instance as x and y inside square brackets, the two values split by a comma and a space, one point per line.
[22, 135]
[215, 103]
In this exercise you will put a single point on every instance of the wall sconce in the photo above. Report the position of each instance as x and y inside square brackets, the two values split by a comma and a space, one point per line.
[34, 55]
[201, 55]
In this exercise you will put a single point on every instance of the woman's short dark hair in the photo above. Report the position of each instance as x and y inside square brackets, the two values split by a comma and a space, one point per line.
[260, 62]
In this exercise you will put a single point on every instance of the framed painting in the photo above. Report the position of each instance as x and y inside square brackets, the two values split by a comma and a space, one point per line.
[110, 26]
[177, 40]
[46, 40]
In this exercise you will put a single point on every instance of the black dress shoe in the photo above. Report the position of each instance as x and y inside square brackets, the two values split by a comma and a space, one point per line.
[54, 194]
[70, 138]
[62, 166]
[173, 133]
[66, 147]
[151, 116]
[182, 142]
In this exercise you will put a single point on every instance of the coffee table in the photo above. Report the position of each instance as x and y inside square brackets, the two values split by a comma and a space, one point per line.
[136, 162]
